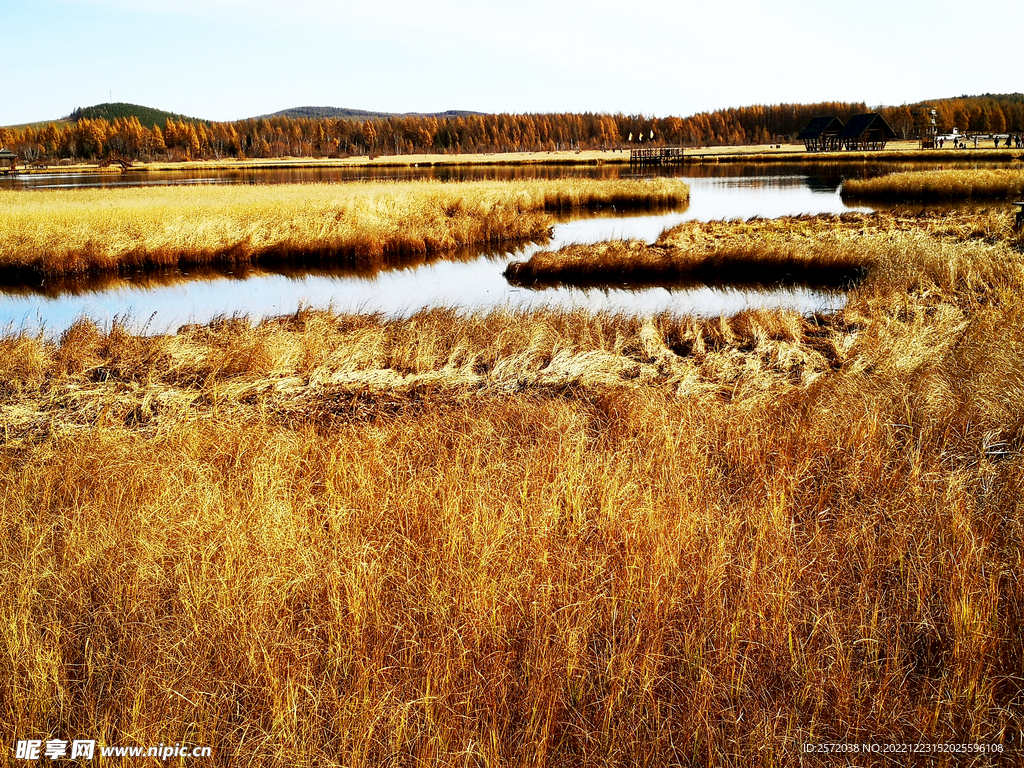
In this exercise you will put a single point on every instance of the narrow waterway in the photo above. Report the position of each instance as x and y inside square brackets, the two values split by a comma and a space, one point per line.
[161, 303]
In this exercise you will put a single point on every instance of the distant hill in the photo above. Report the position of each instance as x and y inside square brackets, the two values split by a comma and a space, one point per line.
[336, 113]
[60, 123]
[1014, 98]
[148, 116]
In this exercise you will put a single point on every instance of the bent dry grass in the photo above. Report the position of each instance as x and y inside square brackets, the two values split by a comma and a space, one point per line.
[370, 226]
[529, 539]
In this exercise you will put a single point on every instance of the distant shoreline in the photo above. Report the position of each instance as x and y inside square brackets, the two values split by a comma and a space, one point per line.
[903, 151]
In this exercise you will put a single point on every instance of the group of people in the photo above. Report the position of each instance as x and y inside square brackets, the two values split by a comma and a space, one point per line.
[1017, 142]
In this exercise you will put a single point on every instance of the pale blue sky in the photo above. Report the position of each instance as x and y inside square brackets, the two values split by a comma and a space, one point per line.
[230, 59]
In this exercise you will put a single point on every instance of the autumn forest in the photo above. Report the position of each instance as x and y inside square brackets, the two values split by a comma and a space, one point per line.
[279, 136]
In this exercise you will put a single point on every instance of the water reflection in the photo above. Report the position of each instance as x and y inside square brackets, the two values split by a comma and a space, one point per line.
[477, 286]
[303, 175]
[819, 175]
[162, 301]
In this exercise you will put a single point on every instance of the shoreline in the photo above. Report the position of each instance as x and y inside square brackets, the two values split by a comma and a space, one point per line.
[906, 151]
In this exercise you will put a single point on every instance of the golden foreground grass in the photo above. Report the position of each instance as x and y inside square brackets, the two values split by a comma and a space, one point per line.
[369, 225]
[925, 186]
[542, 539]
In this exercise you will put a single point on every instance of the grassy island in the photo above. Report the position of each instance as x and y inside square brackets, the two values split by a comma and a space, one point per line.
[939, 186]
[825, 250]
[369, 225]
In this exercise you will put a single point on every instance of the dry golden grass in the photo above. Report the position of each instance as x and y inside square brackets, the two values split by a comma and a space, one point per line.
[369, 225]
[543, 539]
[924, 186]
[826, 250]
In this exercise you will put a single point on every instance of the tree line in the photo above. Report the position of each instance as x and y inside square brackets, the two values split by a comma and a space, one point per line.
[268, 137]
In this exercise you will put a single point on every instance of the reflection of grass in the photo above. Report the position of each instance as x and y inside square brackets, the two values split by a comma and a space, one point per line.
[365, 225]
[925, 186]
[830, 250]
[79, 284]
[545, 538]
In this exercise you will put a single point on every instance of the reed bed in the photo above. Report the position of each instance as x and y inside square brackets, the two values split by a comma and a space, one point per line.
[938, 186]
[827, 250]
[551, 539]
[369, 226]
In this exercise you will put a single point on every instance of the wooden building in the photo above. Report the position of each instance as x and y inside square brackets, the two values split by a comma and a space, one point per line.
[868, 131]
[822, 134]
[8, 161]
[926, 126]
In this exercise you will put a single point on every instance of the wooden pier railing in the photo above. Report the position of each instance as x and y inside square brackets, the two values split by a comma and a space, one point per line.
[655, 155]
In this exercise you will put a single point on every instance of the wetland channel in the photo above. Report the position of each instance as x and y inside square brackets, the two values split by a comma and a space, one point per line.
[160, 302]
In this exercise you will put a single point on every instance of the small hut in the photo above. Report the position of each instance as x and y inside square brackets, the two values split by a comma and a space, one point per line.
[8, 161]
[822, 134]
[868, 131]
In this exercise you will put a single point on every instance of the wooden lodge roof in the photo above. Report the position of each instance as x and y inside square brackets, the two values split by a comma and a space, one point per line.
[862, 124]
[818, 126]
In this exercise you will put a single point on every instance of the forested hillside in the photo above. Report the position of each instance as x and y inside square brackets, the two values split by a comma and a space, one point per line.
[147, 116]
[134, 136]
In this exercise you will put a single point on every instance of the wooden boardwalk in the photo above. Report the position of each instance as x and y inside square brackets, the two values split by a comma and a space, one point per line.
[656, 155]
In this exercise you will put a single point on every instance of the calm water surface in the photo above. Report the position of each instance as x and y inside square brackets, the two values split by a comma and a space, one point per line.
[823, 175]
[162, 304]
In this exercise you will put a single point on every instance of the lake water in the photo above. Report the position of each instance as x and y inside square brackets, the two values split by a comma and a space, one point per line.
[822, 174]
[161, 303]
